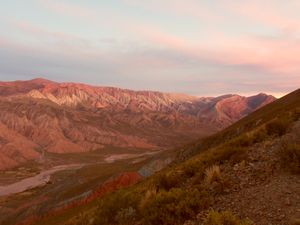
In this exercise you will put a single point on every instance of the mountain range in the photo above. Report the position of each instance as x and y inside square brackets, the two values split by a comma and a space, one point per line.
[38, 116]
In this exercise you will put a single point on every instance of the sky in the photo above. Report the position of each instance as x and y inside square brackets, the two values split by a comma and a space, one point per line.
[198, 47]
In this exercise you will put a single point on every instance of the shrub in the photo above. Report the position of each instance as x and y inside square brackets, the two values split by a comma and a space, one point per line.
[117, 206]
[259, 135]
[250, 138]
[215, 181]
[242, 141]
[126, 216]
[151, 193]
[212, 174]
[174, 207]
[229, 152]
[224, 218]
[81, 219]
[296, 114]
[277, 127]
[192, 168]
[290, 156]
[295, 222]
[168, 181]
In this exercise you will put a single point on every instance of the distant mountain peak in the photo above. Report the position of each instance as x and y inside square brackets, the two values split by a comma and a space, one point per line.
[263, 94]
[41, 80]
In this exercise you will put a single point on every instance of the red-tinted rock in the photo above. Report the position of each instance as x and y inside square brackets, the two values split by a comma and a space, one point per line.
[68, 117]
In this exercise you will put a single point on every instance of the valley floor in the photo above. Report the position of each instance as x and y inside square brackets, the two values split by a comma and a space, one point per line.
[34, 190]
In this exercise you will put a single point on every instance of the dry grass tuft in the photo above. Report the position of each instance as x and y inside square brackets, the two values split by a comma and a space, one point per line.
[150, 194]
[222, 218]
[212, 174]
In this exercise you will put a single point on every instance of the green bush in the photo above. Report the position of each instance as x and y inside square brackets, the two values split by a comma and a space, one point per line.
[174, 207]
[224, 218]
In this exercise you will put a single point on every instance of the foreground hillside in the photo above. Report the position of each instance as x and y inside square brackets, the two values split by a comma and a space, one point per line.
[247, 174]
[41, 116]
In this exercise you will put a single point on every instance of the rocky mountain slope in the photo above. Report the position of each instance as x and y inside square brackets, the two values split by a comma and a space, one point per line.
[40, 115]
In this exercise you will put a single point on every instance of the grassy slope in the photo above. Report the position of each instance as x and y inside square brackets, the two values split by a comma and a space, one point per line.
[169, 197]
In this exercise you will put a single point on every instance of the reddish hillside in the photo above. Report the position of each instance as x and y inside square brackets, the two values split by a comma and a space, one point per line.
[120, 181]
[68, 117]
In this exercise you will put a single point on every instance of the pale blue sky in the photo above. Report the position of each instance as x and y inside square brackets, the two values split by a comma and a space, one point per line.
[191, 46]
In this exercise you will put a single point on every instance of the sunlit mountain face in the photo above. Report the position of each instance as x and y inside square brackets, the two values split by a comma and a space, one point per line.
[71, 117]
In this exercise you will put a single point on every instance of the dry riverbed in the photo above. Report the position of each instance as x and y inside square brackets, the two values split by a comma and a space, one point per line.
[38, 180]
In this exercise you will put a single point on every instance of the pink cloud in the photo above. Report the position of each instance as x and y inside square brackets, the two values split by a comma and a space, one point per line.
[275, 55]
[278, 55]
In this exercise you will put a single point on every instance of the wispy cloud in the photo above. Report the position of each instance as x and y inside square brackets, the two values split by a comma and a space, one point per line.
[219, 53]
